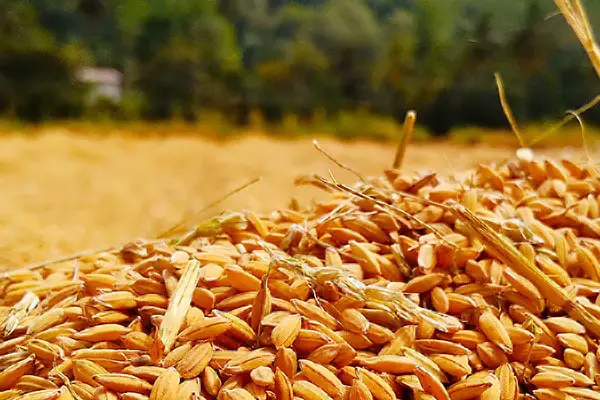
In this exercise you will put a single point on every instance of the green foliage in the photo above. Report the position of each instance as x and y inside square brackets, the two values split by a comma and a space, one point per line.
[352, 67]
[37, 74]
[364, 124]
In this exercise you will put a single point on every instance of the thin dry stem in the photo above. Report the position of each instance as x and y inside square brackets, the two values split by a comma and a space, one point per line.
[81, 254]
[568, 118]
[402, 306]
[583, 135]
[506, 251]
[338, 163]
[185, 221]
[179, 304]
[407, 131]
[345, 188]
[575, 15]
[507, 111]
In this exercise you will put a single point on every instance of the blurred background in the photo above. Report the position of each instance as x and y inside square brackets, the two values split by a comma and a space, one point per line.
[112, 112]
[312, 61]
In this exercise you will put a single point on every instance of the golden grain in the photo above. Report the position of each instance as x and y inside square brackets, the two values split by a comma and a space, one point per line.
[286, 361]
[238, 328]
[286, 331]
[50, 394]
[313, 312]
[282, 386]
[248, 361]
[100, 333]
[236, 394]
[454, 365]
[194, 361]
[322, 377]
[325, 354]
[441, 346]
[392, 364]
[13, 373]
[85, 370]
[309, 391]
[82, 390]
[359, 391]
[147, 372]
[468, 388]
[491, 326]
[166, 387]
[102, 393]
[262, 376]
[371, 293]
[582, 393]
[378, 387]
[573, 341]
[509, 388]
[552, 379]
[431, 384]
[133, 396]
[123, 383]
[551, 394]
[207, 328]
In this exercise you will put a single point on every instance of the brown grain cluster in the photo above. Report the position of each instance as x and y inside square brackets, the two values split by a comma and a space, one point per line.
[477, 287]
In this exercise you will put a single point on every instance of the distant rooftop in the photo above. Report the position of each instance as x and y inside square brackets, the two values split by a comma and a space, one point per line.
[107, 76]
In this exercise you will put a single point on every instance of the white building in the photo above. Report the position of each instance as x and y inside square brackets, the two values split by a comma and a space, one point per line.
[105, 82]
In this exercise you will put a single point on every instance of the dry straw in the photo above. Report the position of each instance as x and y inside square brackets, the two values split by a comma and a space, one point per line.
[576, 16]
[407, 131]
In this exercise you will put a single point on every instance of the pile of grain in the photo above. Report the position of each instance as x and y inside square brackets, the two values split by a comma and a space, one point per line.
[401, 286]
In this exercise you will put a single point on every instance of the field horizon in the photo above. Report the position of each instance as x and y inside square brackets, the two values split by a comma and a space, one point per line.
[65, 192]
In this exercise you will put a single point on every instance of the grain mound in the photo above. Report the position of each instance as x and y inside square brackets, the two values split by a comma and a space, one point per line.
[419, 286]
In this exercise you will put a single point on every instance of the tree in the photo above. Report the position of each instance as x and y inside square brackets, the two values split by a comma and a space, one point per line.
[346, 30]
[188, 57]
[37, 75]
[130, 15]
[396, 65]
[298, 56]
[296, 83]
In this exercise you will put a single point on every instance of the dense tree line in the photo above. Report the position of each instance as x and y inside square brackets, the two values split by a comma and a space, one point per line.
[309, 58]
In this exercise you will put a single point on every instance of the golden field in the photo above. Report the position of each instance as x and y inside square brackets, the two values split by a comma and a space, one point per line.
[61, 193]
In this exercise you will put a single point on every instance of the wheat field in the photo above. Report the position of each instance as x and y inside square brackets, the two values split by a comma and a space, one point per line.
[62, 193]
